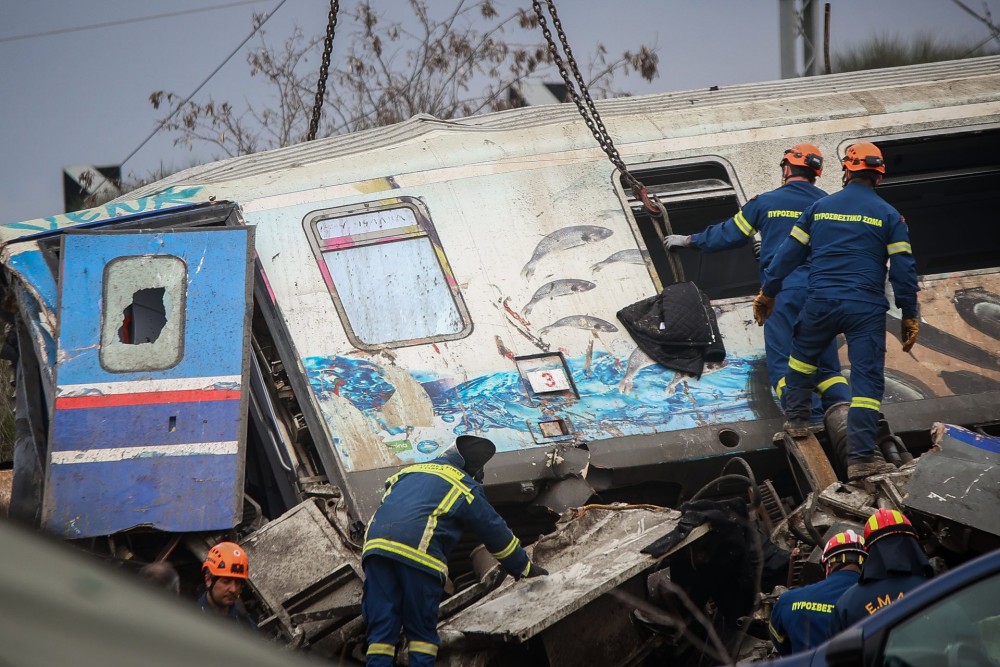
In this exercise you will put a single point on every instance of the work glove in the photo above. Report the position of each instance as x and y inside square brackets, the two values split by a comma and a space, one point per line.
[534, 570]
[908, 330]
[762, 307]
[676, 241]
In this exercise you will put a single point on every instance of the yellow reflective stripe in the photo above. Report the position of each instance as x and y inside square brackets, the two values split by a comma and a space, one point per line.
[381, 649]
[507, 550]
[448, 473]
[777, 635]
[801, 366]
[744, 224]
[898, 247]
[423, 647]
[869, 403]
[406, 551]
[432, 521]
[826, 384]
[800, 235]
[780, 387]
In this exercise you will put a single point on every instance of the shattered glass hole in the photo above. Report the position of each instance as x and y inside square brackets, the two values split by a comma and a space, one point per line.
[143, 319]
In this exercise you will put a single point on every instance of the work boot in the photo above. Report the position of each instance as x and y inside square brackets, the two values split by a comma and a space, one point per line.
[797, 428]
[861, 469]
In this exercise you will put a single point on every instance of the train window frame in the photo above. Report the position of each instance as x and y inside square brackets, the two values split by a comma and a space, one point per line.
[971, 257]
[698, 267]
[440, 284]
[125, 310]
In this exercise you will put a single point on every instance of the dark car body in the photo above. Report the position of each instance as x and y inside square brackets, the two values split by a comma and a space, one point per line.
[953, 619]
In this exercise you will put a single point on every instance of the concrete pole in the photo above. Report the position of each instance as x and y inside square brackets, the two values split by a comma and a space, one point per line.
[787, 34]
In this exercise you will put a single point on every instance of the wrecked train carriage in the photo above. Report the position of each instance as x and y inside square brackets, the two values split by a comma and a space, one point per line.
[223, 344]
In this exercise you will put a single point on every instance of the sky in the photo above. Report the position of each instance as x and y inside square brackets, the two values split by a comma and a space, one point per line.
[77, 94]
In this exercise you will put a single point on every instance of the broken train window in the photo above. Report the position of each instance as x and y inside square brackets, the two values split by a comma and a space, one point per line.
[142, 323]
[696, 193]
[388, 274]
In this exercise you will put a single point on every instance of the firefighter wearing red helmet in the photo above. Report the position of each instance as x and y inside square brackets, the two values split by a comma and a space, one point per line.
[896, 564]
[226, 569]
[849, 237]
[801, 617]
[771, 215]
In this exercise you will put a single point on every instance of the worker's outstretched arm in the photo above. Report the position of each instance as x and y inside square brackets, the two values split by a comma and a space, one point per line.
[490, 527]
[792, 252]
[735, 232]
[903, 276]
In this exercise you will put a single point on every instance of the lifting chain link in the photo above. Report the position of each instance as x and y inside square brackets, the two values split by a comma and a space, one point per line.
[588, 110]
[324, 69]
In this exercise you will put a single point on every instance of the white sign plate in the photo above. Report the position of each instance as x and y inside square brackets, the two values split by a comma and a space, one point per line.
[553, 379]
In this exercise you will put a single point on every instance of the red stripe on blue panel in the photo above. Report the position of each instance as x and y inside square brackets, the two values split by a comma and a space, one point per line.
[146, 398]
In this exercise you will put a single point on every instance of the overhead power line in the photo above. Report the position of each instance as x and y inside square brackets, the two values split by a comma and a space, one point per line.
[140, 19]
[201, 85]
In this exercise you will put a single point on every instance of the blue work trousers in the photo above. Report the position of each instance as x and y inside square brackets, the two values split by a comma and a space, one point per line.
[863, 325]
[397, 596]
[831, 387]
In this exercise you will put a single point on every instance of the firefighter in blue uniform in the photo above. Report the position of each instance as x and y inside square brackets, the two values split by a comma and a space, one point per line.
[801, 617]
[895, 565]
[772, 214]
[423, 513]
[849, 237]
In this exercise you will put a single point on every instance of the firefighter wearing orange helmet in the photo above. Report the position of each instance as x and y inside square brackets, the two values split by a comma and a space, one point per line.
[226, 569]
[771, 215]
[849, 237]
[801, 617]
[896, 564]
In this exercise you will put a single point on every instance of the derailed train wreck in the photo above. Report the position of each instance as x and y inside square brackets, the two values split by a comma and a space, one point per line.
[252, 347]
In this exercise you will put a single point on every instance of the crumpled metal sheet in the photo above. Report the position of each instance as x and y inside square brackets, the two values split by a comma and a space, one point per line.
[587, 556]
[959, 479]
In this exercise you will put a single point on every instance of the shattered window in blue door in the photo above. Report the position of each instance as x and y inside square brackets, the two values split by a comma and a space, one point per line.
[389, 277]
[142, 323]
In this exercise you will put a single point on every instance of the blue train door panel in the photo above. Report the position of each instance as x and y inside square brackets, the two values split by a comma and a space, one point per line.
[148, 426]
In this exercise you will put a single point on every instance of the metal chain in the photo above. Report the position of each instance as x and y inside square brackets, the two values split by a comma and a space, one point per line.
[324, 69]
[588, 110]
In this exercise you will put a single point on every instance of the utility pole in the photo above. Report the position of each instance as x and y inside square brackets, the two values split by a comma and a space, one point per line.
[797, 21]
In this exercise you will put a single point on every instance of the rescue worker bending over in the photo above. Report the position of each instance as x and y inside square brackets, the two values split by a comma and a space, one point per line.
[772, 214]
[849, 236]
[801, 617]
[226, 570]
[423, 513]
[895, 565]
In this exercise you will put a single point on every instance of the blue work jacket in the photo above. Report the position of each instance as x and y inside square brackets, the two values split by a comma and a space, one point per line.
[848, 237]
[801, 617]
[772, 214]
[424, 511]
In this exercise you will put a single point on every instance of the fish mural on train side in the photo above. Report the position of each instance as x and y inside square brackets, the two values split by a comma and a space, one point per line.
[980, 309]
[657, 399]
[556, 289]
[564, 239]
[627, 256]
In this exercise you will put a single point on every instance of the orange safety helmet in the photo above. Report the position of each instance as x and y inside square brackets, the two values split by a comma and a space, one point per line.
[842, 544]
[863, 156]
[227, 559]
[804, 155]
[887, 522]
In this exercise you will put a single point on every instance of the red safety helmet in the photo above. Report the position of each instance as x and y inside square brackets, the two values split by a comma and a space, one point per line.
[227, 559]
[887, 522]
[863, 157]
[804, 155]
[842, 544]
